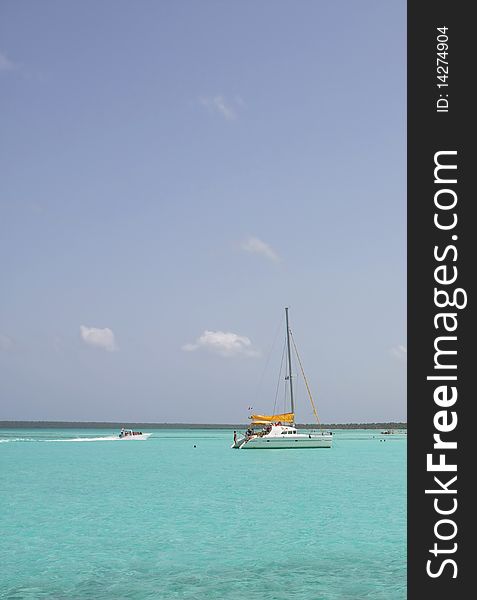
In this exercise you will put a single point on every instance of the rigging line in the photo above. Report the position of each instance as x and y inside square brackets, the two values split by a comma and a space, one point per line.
[306, 381]
[279, 378]
[269, 354]
[285, 397]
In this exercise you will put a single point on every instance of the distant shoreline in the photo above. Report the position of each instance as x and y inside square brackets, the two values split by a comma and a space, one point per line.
[118, 425]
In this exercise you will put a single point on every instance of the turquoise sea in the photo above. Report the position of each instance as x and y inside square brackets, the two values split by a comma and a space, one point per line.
[181, 515]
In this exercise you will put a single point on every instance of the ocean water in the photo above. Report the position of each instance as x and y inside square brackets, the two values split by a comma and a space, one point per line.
[181, 515]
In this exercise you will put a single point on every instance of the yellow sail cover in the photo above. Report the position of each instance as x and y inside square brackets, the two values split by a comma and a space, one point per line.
[265, 419]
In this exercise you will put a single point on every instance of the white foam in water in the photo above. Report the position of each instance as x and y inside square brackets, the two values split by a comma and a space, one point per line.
[108, 438]
[5, 440]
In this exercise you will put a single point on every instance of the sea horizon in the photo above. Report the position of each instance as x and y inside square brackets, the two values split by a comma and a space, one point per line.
[47, 424]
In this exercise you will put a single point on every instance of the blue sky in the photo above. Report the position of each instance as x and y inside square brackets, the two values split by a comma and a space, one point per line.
[172, 174]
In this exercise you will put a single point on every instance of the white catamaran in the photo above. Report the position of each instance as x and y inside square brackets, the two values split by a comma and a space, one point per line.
[279, 431]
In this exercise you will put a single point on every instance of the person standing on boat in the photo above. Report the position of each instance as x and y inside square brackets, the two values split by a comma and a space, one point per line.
[235, 437]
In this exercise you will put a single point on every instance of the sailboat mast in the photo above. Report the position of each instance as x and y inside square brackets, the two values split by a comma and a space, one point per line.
[289, 363]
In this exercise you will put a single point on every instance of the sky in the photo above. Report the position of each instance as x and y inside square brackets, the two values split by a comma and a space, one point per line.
[172, 175]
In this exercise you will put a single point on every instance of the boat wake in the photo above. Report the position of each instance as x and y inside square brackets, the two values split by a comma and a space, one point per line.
[107, 438]
[5, 440]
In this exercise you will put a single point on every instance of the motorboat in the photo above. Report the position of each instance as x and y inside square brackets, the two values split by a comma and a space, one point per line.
[129, 434]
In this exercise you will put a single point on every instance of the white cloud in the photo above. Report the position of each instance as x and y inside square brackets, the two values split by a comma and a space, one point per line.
[399, 352]
[5, 63]
[101, 338]
[256, 246]
[222, 343]
[6, 343]
[220, 105]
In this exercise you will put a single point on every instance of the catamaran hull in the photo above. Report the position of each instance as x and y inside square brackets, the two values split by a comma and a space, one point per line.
[264, 443]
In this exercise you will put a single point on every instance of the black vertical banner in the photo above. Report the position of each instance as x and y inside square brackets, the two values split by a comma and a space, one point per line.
[440, 299]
